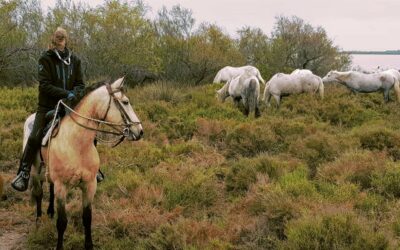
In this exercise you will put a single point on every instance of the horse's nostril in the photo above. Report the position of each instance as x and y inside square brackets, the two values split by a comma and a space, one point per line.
[141, 133]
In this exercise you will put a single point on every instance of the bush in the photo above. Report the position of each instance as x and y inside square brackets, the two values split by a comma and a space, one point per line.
[248, 140]
[387, 183]
[194, 190]
[332, 232]
[167, 236]
[381, 139]
[356, 167]
[274, 208]
[240, 176]
[297, 184]
[316, 149]
[122, 183]
[371, 204]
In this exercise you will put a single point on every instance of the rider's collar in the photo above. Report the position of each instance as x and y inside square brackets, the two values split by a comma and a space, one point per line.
[65, 61]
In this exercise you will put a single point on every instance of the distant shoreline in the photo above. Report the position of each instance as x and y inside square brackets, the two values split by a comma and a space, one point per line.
[386, 52]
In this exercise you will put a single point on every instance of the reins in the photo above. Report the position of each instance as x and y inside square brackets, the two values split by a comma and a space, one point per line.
[127, 121]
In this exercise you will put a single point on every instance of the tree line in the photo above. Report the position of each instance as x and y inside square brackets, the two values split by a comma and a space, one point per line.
[118, 37]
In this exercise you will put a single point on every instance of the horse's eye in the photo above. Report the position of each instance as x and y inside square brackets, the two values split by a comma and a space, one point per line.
[125, 102]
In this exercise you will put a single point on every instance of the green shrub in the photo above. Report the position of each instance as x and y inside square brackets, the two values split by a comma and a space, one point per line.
[342, 192]
[178, 128]
[356, 167]
[316, 149]
[297, 184]
[122, 183]
[45, 237]
[194, 190]
[274, 208]
[167, 236]
[240, 176]
[332, 232]
[381, 139]
[387, 183]
[371, 204]
[248, 140]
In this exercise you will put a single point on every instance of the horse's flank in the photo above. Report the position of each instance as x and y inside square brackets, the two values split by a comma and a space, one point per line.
[299, 81]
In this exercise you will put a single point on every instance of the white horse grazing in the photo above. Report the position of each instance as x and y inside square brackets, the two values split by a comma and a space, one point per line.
[301, 71]
[299, 81]
[359, 82]
[245, 88]
[228, 73]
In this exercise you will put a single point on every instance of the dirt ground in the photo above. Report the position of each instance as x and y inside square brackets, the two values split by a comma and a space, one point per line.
[16, 216]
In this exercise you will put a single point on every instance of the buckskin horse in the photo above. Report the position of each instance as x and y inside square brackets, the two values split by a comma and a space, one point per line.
[71, 159]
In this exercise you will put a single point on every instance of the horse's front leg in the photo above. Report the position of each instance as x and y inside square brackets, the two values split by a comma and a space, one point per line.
[50, 209]
[278, 100]
[223, 93]
[37, 192]
[62, 221]
[88, 193]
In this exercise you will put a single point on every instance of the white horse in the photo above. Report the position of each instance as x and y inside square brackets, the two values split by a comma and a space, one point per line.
[359, 82]
[245, 88]
[301, 71]
[299, 81]
[394, 72]
[228, 73]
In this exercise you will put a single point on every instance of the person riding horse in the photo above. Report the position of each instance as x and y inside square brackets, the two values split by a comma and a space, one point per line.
[59, 72]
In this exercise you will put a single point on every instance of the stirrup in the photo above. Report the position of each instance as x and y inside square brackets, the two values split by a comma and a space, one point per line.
[99, 176]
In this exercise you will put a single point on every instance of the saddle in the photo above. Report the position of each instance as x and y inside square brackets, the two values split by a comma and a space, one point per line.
[51, 129]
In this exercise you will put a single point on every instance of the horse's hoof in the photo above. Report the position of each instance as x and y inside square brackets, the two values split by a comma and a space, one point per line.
[39, 222]
[50, 213]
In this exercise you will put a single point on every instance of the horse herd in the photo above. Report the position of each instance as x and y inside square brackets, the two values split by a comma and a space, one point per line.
[243, 84]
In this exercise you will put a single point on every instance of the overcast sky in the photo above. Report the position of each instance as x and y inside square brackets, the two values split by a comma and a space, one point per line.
[352, 24]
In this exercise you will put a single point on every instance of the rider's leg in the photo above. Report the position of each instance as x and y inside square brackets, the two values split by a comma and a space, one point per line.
[20, 182]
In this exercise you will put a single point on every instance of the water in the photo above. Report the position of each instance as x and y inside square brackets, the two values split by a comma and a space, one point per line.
[372, 62]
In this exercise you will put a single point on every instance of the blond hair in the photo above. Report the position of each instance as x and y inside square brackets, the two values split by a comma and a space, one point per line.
[58, 36]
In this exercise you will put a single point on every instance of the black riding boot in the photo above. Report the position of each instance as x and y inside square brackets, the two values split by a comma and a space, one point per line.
[20, 183]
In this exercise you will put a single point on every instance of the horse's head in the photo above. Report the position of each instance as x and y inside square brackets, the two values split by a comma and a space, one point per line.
[120, 111]
[332, 77]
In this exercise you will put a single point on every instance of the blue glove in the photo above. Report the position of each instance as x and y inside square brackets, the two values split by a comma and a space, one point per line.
[71, 96]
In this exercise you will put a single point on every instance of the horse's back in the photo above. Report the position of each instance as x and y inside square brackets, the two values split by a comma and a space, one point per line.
[281, 84]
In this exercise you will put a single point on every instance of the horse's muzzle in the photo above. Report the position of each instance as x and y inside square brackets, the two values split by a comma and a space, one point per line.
[132, 136]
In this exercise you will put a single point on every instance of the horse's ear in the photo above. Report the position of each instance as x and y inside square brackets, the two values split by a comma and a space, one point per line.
[119, 83]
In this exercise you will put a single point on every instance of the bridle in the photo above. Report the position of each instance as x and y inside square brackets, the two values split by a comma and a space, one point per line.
[127, 121]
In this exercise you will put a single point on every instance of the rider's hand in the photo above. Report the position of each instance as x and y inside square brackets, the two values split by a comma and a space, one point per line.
[71, 96]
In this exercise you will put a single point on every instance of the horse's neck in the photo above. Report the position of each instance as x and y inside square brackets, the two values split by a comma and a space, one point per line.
[77, 124]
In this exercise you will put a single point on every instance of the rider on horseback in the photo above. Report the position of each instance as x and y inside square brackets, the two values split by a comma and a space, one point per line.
[59, 72]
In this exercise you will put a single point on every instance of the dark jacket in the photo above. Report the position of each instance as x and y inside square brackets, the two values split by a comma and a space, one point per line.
[56, 78]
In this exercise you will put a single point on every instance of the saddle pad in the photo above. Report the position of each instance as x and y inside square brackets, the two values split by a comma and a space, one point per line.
[52, 131]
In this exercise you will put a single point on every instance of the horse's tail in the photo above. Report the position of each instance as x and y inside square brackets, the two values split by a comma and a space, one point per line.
[252, 94]
[397, 88]
[266, 93]
[217, 78]
[260, 77]
[321, 88]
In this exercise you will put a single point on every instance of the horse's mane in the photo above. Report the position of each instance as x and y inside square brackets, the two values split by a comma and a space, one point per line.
[94, 86]
[81, 92]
